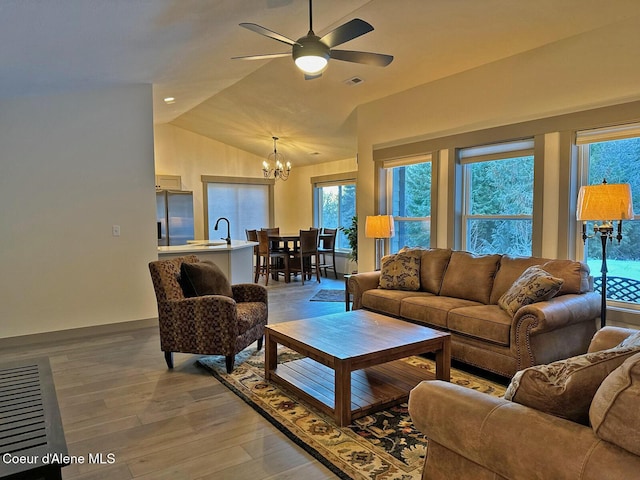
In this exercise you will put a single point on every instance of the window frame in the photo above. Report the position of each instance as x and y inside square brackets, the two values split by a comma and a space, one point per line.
[583, 140]
[207, 179]
[488, 153]
[387, 176]
[339, 180]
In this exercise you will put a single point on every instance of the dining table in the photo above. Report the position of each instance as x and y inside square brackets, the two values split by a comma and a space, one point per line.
[289, 243]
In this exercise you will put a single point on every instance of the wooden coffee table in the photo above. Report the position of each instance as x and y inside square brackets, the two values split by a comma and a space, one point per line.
[352, 365]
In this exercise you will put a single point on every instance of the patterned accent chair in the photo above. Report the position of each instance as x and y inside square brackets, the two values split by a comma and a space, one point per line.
[208, 325]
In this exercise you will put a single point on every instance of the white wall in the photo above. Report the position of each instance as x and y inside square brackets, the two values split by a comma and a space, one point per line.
[73, 165]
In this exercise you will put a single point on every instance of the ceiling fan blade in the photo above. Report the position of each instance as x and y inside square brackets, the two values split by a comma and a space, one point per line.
[262, 57]
[377, 59]
[345, 32]
[268, 33]
[311, 77]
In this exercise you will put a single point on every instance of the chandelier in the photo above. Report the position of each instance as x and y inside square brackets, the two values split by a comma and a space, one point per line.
[281, 170]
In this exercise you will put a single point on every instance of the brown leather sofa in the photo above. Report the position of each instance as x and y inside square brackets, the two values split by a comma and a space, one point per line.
[459, 293]
[475, 436]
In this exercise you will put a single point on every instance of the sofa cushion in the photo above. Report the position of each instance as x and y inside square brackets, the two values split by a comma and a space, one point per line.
[387, 301]
[401, 271]
[204, 278]
[614, 409]
[431, 309]
[433, 264]
[486, 322]
[565, 388]
[534, 285]
[470, 277]
[574, 274]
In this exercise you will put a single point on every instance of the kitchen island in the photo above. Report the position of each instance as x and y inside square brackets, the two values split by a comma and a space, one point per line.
[235, 260]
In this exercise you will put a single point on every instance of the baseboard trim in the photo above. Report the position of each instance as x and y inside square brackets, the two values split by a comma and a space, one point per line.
[73, 333]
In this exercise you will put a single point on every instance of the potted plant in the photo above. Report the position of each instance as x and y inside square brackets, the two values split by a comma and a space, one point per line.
[352, 237]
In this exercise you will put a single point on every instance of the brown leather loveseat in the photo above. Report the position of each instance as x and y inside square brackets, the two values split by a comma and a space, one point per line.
[460, 293]
[576, 419]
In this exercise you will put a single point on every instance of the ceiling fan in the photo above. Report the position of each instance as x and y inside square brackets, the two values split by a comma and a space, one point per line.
[311, 53]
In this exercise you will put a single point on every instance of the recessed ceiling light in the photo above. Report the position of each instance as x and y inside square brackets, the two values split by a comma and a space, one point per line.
[169, 100]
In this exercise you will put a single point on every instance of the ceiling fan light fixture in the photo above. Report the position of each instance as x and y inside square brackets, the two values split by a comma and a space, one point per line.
[311, 55]
[311, 64]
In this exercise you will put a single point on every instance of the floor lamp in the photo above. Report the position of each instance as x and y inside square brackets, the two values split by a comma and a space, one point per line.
[379, 227]
[604, 203]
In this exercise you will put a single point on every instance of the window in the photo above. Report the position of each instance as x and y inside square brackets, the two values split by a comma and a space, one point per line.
[409, 201]
[246, 205]
[335, 206]
[605, 155]
[497, 211]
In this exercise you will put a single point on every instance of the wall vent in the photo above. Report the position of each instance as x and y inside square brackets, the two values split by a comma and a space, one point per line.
[354, 81]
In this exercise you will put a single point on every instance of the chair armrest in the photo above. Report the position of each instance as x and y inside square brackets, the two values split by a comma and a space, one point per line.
[360, 283]
[609, 337]
[558, 312]
[513, 440]
[207, 313]
[249, 292]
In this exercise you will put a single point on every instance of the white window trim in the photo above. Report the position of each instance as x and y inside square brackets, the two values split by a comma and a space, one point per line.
[390, 164]
[583, 139]
[485, 153]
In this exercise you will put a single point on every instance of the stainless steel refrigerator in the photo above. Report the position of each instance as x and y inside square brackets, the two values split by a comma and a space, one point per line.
[175, 217]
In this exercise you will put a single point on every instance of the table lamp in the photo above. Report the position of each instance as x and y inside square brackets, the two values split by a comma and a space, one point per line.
[604, 203]
[379, 227]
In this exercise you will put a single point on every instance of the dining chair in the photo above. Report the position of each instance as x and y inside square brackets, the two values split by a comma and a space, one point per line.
[269, 261]
[327, 248]
[305, 259]
[275, 246]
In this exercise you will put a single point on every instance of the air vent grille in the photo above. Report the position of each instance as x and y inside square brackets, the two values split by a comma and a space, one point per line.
[354, 81]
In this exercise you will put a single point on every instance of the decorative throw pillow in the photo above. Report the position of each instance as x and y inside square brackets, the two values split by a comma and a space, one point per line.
[534, 285]
[401, 271]
[203, 278]
[631, 341]
[614, 409]
[565, 388]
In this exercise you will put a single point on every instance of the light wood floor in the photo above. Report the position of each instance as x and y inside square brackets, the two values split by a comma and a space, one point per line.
[117, 396]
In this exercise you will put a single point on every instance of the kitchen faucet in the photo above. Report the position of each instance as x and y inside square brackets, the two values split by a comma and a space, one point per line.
[228, 239]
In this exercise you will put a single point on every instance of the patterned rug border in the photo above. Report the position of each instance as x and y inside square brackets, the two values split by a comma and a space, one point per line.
[276, 423]
[382, 445]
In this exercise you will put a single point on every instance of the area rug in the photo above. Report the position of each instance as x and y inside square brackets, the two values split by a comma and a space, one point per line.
[383, 446]
[327, 295]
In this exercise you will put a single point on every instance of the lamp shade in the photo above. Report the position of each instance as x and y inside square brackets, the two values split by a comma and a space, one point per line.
[607, 201]
[379, 226]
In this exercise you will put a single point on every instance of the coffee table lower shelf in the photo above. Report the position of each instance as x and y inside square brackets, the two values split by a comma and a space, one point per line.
[372, 389]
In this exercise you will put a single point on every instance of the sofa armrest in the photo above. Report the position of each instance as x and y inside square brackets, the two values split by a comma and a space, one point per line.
[558, 312]
[609, 337]
[513, 440]
[360, 283]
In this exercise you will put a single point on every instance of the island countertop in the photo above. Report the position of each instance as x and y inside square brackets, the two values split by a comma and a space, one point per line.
[203, 246]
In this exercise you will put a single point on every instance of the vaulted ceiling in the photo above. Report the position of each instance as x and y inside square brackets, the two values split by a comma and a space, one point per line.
[184, 48]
